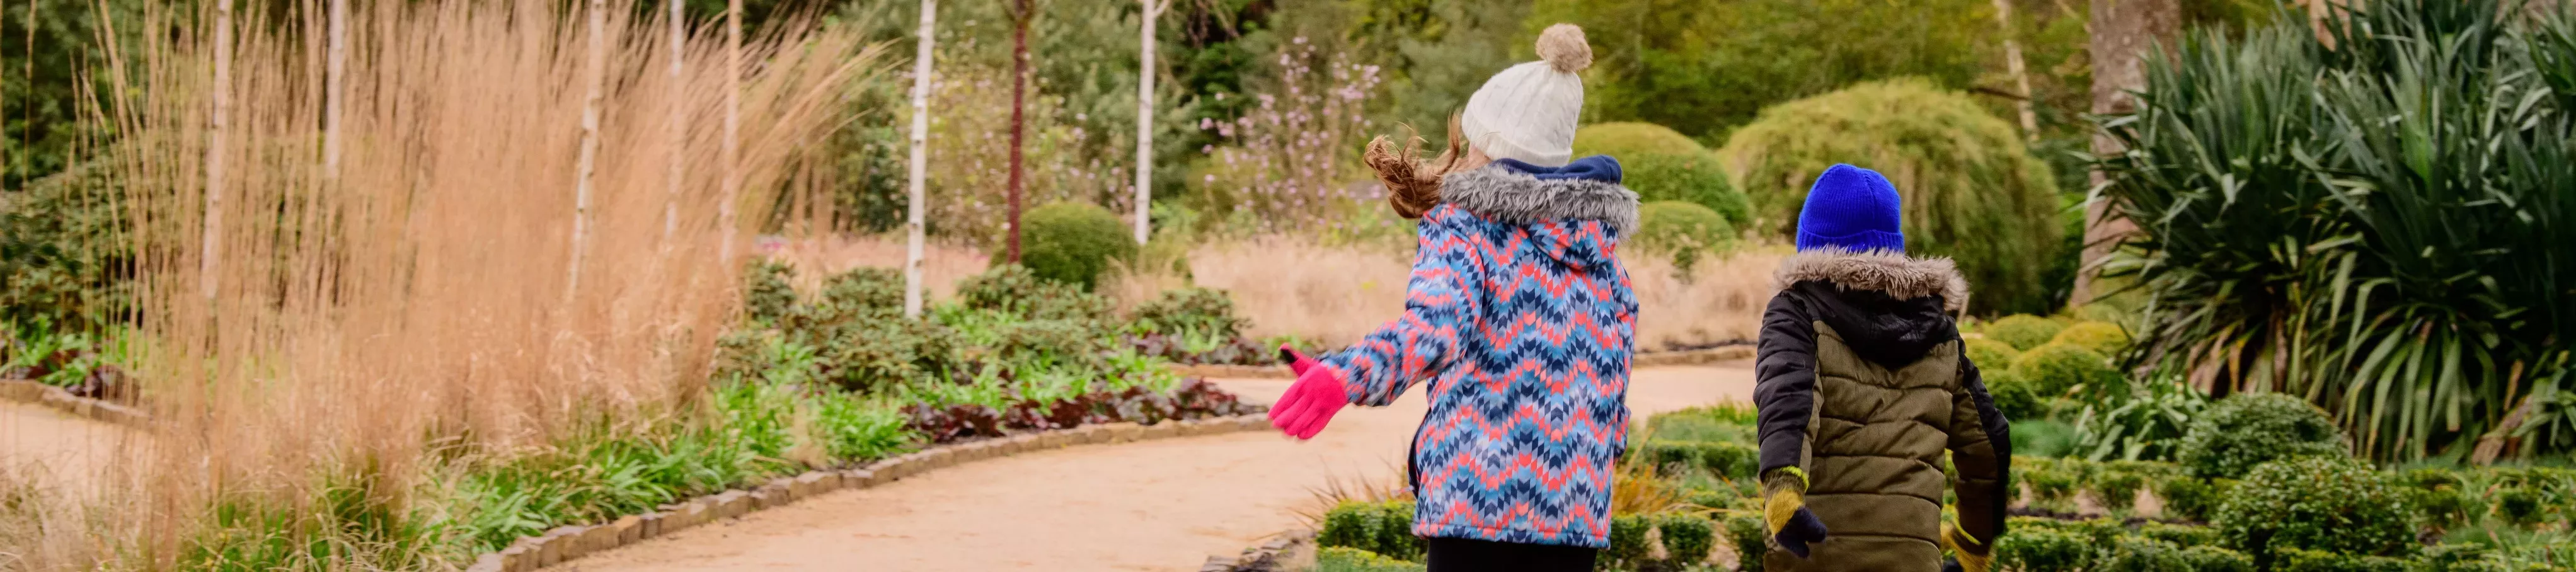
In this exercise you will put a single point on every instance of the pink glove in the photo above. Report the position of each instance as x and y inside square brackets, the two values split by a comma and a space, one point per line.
[1311, 401]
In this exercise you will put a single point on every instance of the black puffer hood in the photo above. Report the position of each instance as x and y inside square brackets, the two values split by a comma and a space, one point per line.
[1889, 307]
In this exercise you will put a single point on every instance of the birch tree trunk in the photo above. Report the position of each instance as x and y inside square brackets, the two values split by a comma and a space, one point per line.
[595, 78]
[335, 89]
[2123, 31]
[1145, 118]
[1019, 92]
[679, 118]
[2013, 63]
[210, 256]
[921, 62]
[732, 147]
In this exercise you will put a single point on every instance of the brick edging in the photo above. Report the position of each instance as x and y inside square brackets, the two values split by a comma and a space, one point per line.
[566, 543]
[1646, 359]
[1262, 558]
[31, 391]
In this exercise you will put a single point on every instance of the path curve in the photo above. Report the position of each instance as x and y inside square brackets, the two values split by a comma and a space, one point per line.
[1161, 505]
[39, 444]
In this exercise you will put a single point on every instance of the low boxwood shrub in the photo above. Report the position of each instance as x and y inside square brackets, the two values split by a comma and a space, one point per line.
[2321, 503]
[1382, 528]
[1073, 242]
[1725, 421]
[2043, 549]
[2179, 535]
[2102, 337]
[1206, 311]
[1628, 543]
[1990, 355]
[2023, 331]
[1687, 538]
[2055, 370]
[1728, 459]
[1745, 532]
[2206, 558]
[2189, 497]
[2305, 560]
[1684, 230]
[2015, 395]
[2249, 429]
[1347, 559]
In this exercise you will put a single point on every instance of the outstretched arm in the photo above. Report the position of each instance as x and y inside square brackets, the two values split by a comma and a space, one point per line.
[1425, 339]
[1981, 452]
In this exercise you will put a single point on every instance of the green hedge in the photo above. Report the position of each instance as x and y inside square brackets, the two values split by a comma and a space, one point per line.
[1686, 231]
[1663, 165]
[2319, 503]
[1384, 528]
[1972, 191]
[2248, 429]
[1728, 459]
[2055, 370]
[2023, 331]
[1346, 559]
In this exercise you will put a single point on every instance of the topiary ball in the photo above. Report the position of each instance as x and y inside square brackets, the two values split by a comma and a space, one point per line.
[2104, 337]
[1687, 538]
[2248, 429]
[2023, 331]
[2014, 395]
[2054, 370]
[1683, 229]
[1990, 354]
[2330, 504]
[1073, 243]
[1663, 165]
[1973, 191]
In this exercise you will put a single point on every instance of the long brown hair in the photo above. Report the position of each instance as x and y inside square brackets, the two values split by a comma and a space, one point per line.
[1413, 185]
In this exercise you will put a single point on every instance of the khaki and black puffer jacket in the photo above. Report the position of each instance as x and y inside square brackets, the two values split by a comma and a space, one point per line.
[1862, 385]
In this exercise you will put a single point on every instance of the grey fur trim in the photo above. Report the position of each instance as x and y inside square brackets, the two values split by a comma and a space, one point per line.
[1518, 198]
[1900, 276]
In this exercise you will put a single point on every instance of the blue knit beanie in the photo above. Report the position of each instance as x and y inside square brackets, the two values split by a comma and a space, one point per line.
[1853, 208]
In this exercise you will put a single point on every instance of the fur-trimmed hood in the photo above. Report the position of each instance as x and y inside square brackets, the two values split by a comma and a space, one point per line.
[1899, 276]
[1890, 308]
[1512, 192]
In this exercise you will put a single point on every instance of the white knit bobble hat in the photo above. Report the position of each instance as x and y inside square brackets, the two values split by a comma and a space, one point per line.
[1528, 112]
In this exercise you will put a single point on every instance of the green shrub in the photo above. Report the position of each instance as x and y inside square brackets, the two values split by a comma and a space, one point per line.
[1715, 498]
[1073, 242]
[1726, 421]
[1663, 165]
[1348, 525]
[1745, 531]
[1687, 537]
[2102, 337]
[2023, 331]
[1990, 355]
[2117, 489]
[2055, 370]
[2190, 497]
[1972, 191]
[2179, 535]
[866, 289]
[1207, 311]
[2305, 560]
[2205, 558]
[1685, 230]
[2032, 549]
[766, 293]
[2521, 505]
[1016, 290]
[1347, 559]
[2133, 554]
[2321, 503]
[2052, 482]
[64, 260]
[2040, 438]
[2015, 396]
[1628, 542]
[1395, 531]
[2249, 429]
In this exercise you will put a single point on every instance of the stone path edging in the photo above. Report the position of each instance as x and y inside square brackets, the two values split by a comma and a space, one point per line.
[565, 543]
[1647, 359]
[1263, 558]
[31, 391]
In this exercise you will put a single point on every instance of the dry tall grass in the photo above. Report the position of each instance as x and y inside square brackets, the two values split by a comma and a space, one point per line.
[419, 307]
[1335, 294]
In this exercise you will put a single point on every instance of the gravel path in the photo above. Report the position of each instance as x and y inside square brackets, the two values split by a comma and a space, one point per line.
[40, 444]
[1157, 505]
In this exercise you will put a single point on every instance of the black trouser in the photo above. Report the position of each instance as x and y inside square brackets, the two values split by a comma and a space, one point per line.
[1463, 555]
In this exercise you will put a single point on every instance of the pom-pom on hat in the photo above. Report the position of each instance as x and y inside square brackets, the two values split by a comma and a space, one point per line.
[1528, 111]
[1854, 209]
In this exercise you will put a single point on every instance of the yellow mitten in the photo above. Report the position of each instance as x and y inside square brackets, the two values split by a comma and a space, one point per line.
[1785, 514]
[1973, 556]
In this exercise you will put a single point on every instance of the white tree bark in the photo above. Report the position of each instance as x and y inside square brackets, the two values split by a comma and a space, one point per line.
[2021, 77]
[1145, 117]
[679, 118]
[335, 89]
[595, 78]
[921, 70]
[732, 185]
[211, 252]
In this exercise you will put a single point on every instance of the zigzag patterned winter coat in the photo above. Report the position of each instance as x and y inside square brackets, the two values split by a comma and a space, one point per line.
[1522, 318]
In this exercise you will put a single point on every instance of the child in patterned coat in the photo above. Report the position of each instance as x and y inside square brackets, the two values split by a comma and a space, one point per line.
[1518, 314]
